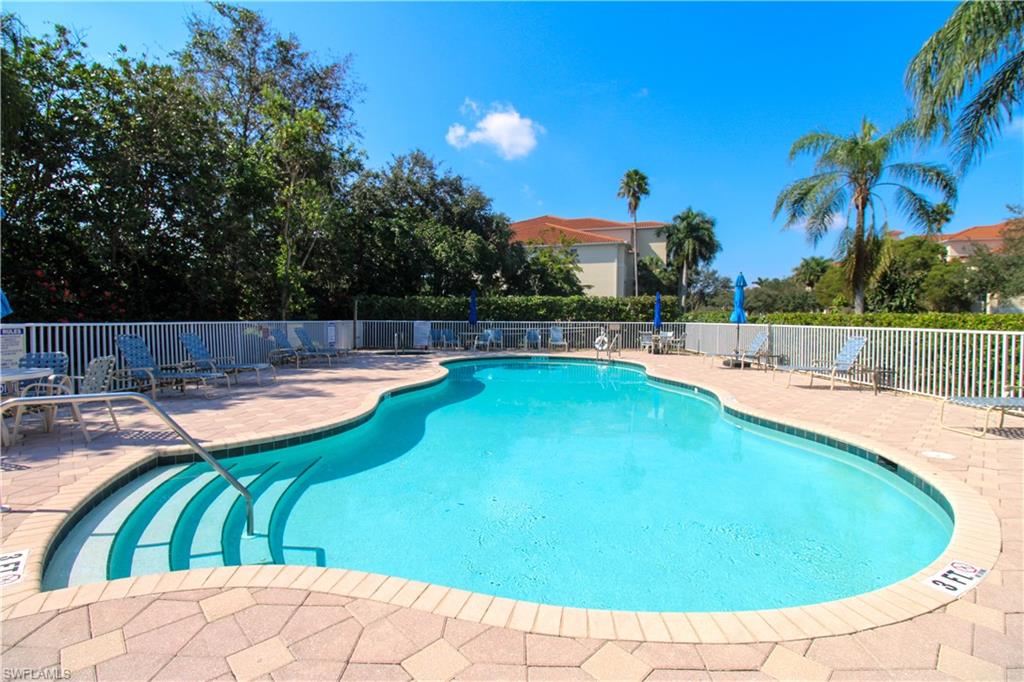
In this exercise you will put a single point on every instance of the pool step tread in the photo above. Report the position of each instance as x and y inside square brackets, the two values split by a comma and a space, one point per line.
[82, 557]
[206, 549]
[153, 552]
[187, 523]
[259, 548]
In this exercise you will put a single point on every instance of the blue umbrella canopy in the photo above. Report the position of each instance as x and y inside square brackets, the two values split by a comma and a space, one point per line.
[472, 307]
[738, 315]
[657, 310]
[5, 306]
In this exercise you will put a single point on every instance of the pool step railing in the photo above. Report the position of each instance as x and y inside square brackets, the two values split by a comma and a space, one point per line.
[150, 404]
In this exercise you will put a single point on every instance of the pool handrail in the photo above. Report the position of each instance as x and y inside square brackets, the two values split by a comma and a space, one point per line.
[57, 400]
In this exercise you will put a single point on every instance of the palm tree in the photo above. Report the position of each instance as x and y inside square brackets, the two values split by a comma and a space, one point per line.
[810, 270]
[690, 241]
[632, 188]
[981, 38]
[849, 171]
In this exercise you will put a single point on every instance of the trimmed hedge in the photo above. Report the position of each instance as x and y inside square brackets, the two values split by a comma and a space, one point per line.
[641, 309]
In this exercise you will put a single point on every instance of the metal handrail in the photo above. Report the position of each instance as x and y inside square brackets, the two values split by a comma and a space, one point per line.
[148, 402]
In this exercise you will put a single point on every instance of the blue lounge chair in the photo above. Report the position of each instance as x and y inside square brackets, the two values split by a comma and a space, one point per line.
[556, 338]
[204, 360]
[311, 346]
[752, 353]
[148, 374]
[443, 338]
[1004, 404]
[844, 363]
[285, 351]
[532, 337]
[450, 339]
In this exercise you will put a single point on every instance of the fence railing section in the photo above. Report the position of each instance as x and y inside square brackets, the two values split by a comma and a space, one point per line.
[933, 362]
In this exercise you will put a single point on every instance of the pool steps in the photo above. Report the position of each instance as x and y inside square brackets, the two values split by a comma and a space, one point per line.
[174, 518]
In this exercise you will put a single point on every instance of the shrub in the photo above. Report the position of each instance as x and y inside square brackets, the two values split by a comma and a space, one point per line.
[641, 309]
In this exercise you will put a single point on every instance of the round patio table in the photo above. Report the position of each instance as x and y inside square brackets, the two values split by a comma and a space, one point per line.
[10, 379]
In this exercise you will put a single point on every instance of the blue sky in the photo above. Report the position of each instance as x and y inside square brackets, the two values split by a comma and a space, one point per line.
[545, 106]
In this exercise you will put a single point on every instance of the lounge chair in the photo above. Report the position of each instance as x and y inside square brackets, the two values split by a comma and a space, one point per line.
[752, 353]
[1003, 404]
[844, 363]
[556, 338]
[449, 338]
[532, 336]
[148, 374]
[285, 351]
[204, 360]
[311, 346]
[57, 363]
[437, 338]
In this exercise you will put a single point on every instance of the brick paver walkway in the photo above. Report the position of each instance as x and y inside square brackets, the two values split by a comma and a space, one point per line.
[260, 631]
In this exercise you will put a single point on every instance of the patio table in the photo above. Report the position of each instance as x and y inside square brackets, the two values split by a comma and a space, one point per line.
[10, 379]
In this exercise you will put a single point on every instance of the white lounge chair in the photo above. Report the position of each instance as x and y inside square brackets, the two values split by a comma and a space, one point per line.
[1003, 404]
[843, 364]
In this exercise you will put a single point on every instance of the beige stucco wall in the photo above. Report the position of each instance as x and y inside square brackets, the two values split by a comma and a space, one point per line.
[648, 241]
[968, 247]
[602, 268]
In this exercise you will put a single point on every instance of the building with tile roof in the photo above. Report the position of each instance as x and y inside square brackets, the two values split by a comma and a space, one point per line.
[603, 247]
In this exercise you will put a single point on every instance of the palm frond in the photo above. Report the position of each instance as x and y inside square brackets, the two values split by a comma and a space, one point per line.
[973, 39]
[812, 203]
[930, 175]
[915, 206]
[982, 118]
[814, 143]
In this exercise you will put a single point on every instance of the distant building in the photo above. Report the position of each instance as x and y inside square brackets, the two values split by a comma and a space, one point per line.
[964, 244]
[602, 246]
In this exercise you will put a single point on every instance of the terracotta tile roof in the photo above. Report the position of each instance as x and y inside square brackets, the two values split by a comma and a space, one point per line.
[537, 230]
[547, 228]
[979, 232]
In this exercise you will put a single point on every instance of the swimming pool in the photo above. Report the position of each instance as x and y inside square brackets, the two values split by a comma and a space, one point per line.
[564, 482]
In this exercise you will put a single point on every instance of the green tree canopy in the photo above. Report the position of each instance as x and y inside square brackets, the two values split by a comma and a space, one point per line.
[975, 61]
[850, 172]
[633, 187]
[689, 242]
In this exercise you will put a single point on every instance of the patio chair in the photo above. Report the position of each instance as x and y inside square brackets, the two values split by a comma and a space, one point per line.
[647, 341]
[668, 342]
[449, 338]
[498, 338]
[285, 351]
[437, 339]
[311, 346]
[485, 339]
[1003, 404]
[844, 363]
[556, 338]
[204, 360]
[57, 362]
[752, 353]
[148, 374]
[97, 379]
[532, 336]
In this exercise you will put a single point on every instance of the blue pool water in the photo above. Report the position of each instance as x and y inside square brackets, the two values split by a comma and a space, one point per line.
[570, 483]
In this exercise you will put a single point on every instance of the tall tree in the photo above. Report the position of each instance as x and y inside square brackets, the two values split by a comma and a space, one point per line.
[810, 270]
[633, 187]
[976, 58]
[690, 242]
[850, 171]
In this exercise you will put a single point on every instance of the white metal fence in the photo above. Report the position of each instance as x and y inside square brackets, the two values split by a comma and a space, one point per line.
[934, 362]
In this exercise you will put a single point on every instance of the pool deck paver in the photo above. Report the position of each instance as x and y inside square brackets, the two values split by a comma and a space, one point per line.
[285, 623]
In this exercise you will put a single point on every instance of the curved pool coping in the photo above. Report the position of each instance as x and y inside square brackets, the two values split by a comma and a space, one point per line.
[976, 539]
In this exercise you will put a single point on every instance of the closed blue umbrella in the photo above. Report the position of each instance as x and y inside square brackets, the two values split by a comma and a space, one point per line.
[657, 311]
[739, 316]
[472, 307]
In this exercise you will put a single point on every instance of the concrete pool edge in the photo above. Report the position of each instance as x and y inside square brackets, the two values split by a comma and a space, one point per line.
[976, 539]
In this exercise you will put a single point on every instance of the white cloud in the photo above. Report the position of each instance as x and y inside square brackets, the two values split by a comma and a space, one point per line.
[513, 136]
[643, 92]
[468, 106]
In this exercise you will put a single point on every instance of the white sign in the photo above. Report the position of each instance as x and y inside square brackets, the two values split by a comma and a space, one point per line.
[12, 344]
[420, 334]
[956, 578]
[12, 567]
[332, 334]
